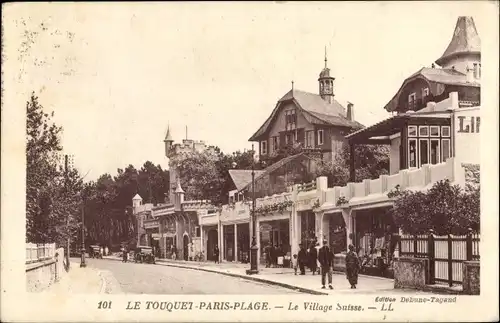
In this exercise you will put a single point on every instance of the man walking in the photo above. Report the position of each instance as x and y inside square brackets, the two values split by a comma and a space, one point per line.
[325, 257]
[302, 259]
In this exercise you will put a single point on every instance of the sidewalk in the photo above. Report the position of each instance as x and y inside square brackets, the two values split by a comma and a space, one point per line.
[285, 277]
[78, 281]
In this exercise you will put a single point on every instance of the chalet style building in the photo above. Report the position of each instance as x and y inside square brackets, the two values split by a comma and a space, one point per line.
[308, 120]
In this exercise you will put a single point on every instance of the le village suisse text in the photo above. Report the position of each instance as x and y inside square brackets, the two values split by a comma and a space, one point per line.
[380, 303]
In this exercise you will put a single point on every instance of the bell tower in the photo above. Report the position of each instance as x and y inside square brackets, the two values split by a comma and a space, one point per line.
[326, 83]
[168, 142]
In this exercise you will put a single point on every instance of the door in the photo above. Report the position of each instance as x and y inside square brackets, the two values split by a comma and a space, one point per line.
[211, 243]
[185, 246]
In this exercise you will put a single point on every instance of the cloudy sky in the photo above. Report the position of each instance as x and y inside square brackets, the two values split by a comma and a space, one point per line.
[117, 74]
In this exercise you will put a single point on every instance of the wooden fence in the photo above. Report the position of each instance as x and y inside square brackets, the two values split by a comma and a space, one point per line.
[446, 254]
[40, 252]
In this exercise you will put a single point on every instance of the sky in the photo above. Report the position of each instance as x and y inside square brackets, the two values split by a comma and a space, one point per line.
[116, 75]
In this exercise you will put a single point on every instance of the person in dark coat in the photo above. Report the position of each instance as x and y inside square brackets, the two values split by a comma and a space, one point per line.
[325, 257]
[216, 254]
[302, 259]
[124, 255]
[267, 251]
[352, 266]
[313, 258]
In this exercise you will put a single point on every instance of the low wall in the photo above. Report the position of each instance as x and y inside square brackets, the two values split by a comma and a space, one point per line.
[411, 273]
[40, 275]
[471, 279]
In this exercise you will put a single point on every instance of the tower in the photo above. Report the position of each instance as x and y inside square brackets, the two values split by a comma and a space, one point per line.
[168, 142]
[136, 202]
[464, 50]
[326, 83]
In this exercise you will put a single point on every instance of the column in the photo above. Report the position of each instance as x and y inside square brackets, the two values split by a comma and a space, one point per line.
[202, 242]
[162, 241]
[221, 247]
[257, 238]
[348, 226]
[235, 243]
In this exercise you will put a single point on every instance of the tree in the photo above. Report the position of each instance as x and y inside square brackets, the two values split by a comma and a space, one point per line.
[370, 162]
[445, 208]
[52, 201]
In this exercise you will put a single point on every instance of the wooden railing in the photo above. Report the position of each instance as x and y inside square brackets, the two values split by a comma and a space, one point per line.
[40, 252]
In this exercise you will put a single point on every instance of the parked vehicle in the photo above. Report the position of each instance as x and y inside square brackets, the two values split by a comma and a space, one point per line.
[144, 254]
[95, 252]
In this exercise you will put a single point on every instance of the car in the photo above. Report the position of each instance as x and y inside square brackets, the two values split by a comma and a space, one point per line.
[95, 252]
[144, 254]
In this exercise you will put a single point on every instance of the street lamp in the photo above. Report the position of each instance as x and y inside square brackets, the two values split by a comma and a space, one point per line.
[82, 263]
[253, 249]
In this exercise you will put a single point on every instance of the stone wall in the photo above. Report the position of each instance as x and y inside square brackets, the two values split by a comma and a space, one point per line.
[471, 279]
[40, 275]
[411, 273]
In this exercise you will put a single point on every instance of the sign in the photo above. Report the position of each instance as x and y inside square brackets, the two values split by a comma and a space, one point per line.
[266, 227]
[151, 224]
[467, 127]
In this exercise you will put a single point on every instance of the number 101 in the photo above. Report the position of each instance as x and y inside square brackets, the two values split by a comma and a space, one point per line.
[104, 305]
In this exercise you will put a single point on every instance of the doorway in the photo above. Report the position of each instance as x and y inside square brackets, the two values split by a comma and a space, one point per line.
[212, 238]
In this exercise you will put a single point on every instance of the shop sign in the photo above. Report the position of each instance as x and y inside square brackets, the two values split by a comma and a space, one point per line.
[151, 224]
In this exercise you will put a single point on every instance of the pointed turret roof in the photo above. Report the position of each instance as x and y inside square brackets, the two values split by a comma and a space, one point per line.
[137, 197]
[168, 137]
[465, 40]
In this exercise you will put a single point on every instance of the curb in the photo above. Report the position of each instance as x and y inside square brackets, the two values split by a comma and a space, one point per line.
[247, 277]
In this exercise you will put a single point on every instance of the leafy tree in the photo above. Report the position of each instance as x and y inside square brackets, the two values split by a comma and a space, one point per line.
[370, 162]
[445, 208]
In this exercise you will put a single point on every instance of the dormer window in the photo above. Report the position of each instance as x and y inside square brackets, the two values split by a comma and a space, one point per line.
[412, 98]
[425, 93]
[290, 119]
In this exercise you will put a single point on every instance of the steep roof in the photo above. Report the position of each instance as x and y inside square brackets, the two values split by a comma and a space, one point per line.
[465, 40]
[434, 76]
[242, 177]
[316, 110]
[168, 137]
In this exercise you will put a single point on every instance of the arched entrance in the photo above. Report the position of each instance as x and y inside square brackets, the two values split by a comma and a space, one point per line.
[211, 243]
[185, 246]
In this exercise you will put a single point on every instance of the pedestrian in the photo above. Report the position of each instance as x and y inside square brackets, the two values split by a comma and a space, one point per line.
[267, 251]
[325, 257]
[352, 266]
[101, 250]
[302, 259]
[124, 255]
[216, 254]
[294, 263]
[313, 258]
[106, 251]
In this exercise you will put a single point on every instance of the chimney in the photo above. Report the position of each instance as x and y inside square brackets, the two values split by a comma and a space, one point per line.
[350, 111]
[470, 74]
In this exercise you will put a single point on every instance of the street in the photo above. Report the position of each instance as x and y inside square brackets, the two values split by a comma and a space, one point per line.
[158, 279]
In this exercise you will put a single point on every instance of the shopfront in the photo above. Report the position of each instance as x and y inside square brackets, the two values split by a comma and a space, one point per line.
[307, 228]
[275, 233]
[337, 235]
[376, 240]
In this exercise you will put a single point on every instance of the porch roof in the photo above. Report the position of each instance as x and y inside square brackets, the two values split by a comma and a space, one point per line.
[380, 132]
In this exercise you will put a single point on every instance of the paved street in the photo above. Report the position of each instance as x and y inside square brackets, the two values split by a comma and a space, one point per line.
[157, 279]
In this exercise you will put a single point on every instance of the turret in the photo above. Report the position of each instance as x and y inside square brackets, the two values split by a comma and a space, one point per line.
[326, 83]
[168, 142]
[179, 196]
[136, 202]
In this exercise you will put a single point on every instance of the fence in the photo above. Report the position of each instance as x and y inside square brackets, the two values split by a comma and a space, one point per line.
[40, 252]
[446, 254]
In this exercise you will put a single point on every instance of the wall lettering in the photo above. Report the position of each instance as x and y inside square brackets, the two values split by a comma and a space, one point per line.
[468, 124]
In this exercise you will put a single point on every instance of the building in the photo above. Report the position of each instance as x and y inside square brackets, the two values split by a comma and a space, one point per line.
[309, 120]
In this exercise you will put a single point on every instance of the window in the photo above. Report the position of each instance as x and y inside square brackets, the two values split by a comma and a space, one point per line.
[434, 131]
[263, 147]
[275, 143]
[309, 138]
[412, 131]
[412, 98]
[423, 131]
[288, 138]
[320, 137]
[446, 149]
[424, 151]
[291, 119]
[412, 153]
[198, 233]
[445, 131]
[425, 92]
[435, 153]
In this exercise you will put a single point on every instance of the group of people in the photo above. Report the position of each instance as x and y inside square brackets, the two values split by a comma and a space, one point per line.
[272, 254]
[320, 260]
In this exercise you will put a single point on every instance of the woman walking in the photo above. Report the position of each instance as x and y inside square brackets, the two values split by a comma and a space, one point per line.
[216, 254]
[352, 267]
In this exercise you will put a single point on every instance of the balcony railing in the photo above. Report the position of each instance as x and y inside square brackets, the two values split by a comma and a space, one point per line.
[40, 252]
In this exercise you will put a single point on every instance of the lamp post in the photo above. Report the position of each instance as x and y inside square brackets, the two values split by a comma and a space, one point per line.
[254, 248]
[82, 263]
